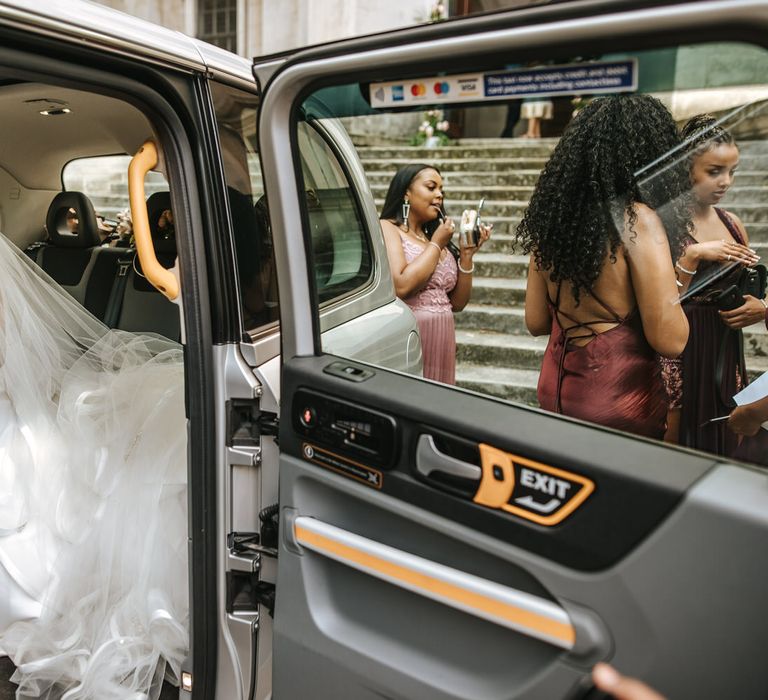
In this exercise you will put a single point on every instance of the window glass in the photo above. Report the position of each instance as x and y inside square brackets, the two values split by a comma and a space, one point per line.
[622, 281]
[217, 23]
[104, 179]
[236, 112]
[342, 258]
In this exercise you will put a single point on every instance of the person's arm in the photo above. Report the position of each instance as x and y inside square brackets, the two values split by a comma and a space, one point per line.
[747, 419]
[653, 279]
[538, 319]
[459, 295]
[722, 251]
[753, 310]
[410, 277]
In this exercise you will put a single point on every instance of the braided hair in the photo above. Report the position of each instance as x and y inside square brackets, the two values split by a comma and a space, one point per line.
[576, 213]
[702, 133]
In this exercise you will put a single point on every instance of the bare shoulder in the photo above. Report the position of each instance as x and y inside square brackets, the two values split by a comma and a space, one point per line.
[646, 228]
[389, 228]
[739, 224]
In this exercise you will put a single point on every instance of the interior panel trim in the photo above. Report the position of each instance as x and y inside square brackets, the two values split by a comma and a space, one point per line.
[525, 613]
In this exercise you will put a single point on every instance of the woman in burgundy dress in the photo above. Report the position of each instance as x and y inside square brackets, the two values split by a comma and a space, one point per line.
[433, 281]
[601, 277]
[701, 384]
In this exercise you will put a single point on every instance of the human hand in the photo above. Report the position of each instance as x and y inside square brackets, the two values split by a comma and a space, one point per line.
[744, 421]
[609, 680]
[723, 251]
[751, 311]
[444, 232]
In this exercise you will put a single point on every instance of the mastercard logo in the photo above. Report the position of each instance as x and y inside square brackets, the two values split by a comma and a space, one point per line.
[418, 90]
[441, 88]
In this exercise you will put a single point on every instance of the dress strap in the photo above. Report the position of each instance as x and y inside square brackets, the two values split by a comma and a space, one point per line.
[730, 224]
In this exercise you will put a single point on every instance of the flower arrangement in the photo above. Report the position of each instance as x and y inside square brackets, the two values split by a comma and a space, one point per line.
[437, 13]
[433, 131]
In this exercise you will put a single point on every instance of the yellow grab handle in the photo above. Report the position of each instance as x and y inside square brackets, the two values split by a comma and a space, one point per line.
[160, 278]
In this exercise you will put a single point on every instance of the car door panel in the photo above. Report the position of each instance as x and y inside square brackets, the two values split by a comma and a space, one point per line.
[654, 561]
[652, 591]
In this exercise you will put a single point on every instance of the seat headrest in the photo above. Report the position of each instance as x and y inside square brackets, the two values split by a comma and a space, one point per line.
[71, 221]
[157, 203]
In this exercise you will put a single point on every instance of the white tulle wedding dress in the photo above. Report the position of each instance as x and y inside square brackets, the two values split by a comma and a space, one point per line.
[93, 523]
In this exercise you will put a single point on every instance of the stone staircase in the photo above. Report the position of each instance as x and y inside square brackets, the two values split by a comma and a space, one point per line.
[496, 355]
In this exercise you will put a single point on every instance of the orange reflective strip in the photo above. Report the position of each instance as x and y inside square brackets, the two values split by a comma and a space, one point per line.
[469, 599]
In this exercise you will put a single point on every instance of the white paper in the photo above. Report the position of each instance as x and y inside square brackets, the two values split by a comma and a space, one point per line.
[754, 392]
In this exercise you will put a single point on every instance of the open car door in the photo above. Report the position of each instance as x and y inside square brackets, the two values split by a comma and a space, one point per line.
[440, 543]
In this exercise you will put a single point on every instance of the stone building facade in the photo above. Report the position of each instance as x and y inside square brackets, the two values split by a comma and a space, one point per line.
[259, 27]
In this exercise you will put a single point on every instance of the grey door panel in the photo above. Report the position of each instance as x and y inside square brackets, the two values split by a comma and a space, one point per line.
[659, 568]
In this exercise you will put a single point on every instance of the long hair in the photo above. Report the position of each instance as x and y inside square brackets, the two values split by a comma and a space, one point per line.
[703, 132]
[393, 202]
[576, 214]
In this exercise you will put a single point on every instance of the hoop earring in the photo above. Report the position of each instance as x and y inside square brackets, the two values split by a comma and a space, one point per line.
[406, 210]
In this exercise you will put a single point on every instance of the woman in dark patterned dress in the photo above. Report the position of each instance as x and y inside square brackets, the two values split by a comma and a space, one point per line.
[601, 277]
[702, 382]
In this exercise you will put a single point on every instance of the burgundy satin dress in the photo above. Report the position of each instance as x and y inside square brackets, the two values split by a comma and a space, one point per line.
[614, 380]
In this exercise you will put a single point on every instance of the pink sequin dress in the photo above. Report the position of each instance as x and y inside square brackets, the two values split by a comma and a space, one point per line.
[432, 309]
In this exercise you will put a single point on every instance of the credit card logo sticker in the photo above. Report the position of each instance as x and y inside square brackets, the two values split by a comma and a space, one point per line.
[398, 93]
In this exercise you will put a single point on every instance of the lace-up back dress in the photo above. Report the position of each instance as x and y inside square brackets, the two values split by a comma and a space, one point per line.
[614, 379]
[434, 315]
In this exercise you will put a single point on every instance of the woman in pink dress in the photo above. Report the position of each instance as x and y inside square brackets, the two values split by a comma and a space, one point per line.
[433, 281]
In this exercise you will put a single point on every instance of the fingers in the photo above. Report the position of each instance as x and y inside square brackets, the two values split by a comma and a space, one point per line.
[609, 680]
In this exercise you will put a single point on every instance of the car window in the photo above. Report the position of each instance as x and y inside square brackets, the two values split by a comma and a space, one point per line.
[104, 179]
[236, 113]
[342, 254]
[536, 316]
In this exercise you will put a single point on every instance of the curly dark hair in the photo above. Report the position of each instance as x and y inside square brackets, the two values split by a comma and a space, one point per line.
[617, 151]
[392, 210]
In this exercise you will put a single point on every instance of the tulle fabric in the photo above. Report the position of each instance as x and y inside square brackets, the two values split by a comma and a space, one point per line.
[93, 522]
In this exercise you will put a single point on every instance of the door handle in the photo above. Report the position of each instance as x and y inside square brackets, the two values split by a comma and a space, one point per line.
[430, 461]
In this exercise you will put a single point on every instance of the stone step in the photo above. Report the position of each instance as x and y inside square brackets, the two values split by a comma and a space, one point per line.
[498, 291]
[517, 142]
[748, 194]
[492, 209]
[489, 264]
[500, 349]
[418, 154]
[478, 178]
[458, 164]
[523, 351]
[517, 385]
[472, 193]
[487, 317]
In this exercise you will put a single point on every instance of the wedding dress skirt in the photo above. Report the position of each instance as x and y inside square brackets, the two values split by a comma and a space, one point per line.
[93, 521]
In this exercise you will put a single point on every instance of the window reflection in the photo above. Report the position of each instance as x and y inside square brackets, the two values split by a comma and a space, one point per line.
[571, 212]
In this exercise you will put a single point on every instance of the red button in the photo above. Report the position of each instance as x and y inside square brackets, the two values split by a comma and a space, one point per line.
[308, 417]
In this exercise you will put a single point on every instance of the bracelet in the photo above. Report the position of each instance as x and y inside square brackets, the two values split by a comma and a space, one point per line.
[764, 303]
[682, 269]
[466, 272]
[439, 249]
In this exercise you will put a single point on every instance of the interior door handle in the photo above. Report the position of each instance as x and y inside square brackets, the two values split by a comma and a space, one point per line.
[429, 460]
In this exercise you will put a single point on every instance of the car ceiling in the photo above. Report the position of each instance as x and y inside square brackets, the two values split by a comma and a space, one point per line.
[34, 148]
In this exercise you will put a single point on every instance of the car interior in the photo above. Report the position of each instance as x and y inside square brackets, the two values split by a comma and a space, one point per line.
[63, 172]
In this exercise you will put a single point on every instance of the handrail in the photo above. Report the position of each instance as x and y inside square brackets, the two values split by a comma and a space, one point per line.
[160, 278]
